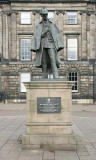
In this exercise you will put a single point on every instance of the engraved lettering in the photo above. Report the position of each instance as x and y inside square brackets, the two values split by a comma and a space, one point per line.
[48, 104]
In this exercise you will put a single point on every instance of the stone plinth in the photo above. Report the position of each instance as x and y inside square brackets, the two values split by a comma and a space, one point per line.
[49, 130]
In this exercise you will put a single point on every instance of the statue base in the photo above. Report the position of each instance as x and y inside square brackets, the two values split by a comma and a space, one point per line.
[49, 124]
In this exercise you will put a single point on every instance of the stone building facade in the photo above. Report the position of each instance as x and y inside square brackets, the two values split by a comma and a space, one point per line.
[77, 21]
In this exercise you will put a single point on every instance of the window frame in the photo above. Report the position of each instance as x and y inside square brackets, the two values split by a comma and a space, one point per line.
[51, 19]
[20, 49]
[74, 91]
[25, 22]
[72, 37]
[24, 81]
[68, 20]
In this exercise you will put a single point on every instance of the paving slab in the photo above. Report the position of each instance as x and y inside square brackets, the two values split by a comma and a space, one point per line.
[66, 155]
[91, 150]
[87, 158]
[12, 126]
[94, 144]
[31, 155]
[48, 155]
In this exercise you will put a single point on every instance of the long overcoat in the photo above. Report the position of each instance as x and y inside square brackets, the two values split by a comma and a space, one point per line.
[36, 43]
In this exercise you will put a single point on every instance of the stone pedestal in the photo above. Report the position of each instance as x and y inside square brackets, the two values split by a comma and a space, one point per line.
[49, 130]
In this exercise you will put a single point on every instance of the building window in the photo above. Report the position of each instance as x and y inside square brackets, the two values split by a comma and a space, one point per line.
[25, 47]
[25, 77]
[25, 18]
[73, 76]
[72, 48]
[51, 16]
[50, 76]
[72, 18]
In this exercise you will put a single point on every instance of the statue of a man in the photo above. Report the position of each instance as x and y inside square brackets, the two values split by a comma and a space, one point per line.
[47, 41]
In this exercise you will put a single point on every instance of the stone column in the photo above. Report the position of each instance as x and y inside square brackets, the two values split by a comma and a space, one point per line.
[13, 36]
[0, 34]
[88, 36]
[64, 37]
[37, 18]
[95, 35]
[0, 48]
[61, 27]
[60, 21]
[79, 37]
[65, 48]
[55, 18]
[5, 35]
[92, 36]
[33, 21]
[84, 37]
[9, 35]
[80, 47]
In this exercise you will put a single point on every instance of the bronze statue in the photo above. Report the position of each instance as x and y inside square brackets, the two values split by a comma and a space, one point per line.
[47, 41]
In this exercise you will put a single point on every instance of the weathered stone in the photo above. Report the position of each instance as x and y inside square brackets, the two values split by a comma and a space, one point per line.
[49, 129]
[11, 31]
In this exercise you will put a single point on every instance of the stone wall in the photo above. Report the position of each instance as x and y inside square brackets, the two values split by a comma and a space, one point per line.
[11, 78]
[11, 31]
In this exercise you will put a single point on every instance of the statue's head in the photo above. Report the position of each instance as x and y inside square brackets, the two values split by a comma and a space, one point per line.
[44, 13]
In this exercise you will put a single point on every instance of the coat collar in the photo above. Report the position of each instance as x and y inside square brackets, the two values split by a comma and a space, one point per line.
[48, 21]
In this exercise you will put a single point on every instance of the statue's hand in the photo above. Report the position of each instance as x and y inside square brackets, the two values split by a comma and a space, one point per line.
[44, 33]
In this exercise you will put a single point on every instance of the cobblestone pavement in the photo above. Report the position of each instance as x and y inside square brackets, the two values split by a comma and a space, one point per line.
[12, 126]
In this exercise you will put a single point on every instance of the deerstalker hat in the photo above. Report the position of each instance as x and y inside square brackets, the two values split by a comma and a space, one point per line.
[43, 11]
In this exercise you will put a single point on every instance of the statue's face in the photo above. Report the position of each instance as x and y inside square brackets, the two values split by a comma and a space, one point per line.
[44, 17]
